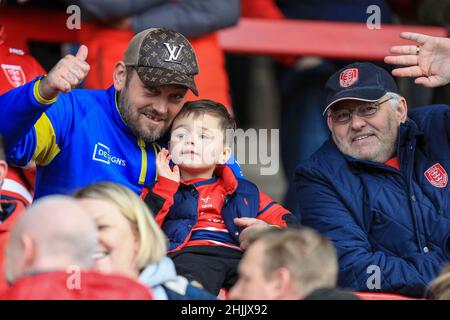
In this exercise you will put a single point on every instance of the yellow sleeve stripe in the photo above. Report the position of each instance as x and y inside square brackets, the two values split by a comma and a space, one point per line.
[46, 147]
[143, 173]
[38, 96]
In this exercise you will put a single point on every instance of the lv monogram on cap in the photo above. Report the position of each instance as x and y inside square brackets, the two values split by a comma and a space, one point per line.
[173, 53]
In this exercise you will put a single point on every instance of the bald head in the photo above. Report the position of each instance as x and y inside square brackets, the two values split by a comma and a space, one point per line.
[53, 234]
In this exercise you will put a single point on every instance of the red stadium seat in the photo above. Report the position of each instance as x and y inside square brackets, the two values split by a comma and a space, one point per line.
[381, 296]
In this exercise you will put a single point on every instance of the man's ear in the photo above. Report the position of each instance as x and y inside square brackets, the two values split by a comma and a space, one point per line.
[282, 283]
[120, 75]
[329, 122]
[29, 251]
[402, 110]
[3, 171]
[226, 154]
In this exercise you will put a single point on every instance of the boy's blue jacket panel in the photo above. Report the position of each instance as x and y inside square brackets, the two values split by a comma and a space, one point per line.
[175, 206]
[394, 223]
[77, 140]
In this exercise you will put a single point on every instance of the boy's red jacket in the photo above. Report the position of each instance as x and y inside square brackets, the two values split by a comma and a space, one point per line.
[202, 212]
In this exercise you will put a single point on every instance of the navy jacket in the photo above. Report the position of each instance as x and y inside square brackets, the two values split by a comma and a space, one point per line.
[395, 223]
[175, 206]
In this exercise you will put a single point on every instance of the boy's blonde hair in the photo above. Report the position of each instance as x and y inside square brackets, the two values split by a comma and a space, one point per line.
[152, 241]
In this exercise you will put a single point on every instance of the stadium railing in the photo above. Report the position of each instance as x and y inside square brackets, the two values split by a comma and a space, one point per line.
[338, 40]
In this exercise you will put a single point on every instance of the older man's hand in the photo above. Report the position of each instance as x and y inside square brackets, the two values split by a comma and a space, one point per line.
[250, 226]
[428, 61]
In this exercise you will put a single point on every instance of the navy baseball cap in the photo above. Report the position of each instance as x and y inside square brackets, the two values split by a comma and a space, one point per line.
[361, 81]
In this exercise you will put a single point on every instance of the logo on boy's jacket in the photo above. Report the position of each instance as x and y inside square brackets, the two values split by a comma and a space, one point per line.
[205, 200]
[437, 176]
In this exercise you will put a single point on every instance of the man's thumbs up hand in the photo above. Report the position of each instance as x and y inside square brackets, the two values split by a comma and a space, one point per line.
[69, 72]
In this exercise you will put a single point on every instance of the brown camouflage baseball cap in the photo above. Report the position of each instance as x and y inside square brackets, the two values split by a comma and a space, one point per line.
[162, 57]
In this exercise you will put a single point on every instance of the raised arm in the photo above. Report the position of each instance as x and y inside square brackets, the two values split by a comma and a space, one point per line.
[28, 131]
[428, 60]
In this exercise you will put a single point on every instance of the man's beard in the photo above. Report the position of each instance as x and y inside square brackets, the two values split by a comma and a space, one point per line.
[131, 117]
[386, 148]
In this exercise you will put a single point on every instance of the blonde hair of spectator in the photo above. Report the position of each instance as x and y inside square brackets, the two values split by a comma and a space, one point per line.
[152, 241]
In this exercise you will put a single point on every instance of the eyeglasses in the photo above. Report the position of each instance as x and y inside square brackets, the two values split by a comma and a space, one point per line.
[344, 115]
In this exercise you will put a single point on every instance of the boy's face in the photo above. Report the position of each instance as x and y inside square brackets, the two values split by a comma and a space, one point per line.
[197, 142]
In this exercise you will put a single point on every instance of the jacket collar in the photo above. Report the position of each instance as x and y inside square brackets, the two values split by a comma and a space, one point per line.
[226, 173]
[228, 177]
[158, 273]
[113, 97]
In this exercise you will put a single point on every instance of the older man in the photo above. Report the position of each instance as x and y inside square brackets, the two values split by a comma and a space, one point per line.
[378, 188]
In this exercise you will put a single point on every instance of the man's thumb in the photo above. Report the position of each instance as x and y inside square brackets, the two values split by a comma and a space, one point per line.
[242, 222]
[82, 53]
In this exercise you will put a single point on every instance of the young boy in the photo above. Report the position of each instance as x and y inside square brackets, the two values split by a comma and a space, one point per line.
[199, 203]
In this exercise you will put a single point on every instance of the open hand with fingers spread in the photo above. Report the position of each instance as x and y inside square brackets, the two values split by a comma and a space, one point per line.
[163, 167]
[69, 72]
[428, 61]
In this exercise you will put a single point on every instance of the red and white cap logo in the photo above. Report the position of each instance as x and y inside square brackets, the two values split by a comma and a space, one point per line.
[437, 176]
[348, 77]
[14, 74]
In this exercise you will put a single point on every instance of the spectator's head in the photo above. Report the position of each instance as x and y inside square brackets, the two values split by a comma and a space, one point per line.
[198, 139]
[53, 234]
[285, 264]
[129, 237]
[440, 287]
[152, 81]
[3, 164]
[364, 111]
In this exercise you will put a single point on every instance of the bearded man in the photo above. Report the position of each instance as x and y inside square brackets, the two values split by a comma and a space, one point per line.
[78, 137]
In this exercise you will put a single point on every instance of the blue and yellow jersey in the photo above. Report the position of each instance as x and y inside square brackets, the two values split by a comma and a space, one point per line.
[77, 139]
